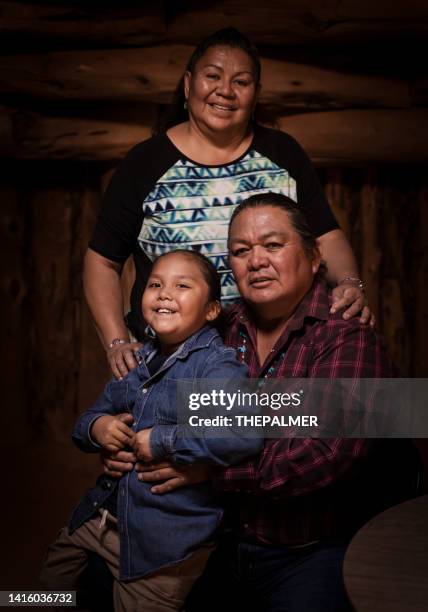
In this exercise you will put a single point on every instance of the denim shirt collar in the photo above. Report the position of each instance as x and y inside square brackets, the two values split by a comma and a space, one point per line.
[200, 339]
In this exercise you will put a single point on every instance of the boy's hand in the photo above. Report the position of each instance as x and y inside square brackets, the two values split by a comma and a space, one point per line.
[112, 432]
[141, 445]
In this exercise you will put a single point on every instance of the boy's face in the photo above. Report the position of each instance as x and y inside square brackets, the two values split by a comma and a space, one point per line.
[176, 300]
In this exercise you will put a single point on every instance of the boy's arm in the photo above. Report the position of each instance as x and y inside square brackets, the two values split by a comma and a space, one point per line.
[232, 447]
[113, 402]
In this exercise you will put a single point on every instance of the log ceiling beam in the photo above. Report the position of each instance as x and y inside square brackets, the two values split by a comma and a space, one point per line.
[151, 75]
[271, 21]
[95, 25]
[336, 137]
[361, 136]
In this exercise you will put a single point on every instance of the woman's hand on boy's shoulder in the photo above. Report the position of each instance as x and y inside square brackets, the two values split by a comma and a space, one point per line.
[122, 358]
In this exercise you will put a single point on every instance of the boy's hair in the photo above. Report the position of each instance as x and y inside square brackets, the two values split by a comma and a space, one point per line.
[278, 200]
[207, 268]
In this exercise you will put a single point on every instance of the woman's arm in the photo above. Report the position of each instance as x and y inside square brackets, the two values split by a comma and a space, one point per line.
[103, 291]
[341, 264]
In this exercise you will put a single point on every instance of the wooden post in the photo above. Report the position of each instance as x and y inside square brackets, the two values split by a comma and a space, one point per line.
[370, 251]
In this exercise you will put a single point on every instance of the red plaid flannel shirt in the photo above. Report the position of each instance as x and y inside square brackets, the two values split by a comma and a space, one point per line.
[299, 490]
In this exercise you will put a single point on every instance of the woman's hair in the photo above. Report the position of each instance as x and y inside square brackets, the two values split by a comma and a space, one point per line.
[227, 37]
[277, 200]
[208, 270]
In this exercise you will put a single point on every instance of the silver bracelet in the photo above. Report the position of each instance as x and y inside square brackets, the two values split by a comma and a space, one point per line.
[117, 341]
[353, 279]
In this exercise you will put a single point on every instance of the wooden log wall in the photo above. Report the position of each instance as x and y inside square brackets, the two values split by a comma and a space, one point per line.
[81, 83]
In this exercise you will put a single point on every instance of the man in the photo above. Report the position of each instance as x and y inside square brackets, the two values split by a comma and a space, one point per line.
[295, 506]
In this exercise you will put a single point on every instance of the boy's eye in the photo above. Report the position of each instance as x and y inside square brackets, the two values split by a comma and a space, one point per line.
[182, 286]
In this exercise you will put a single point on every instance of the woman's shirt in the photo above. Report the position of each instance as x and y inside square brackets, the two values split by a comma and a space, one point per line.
[159, 200]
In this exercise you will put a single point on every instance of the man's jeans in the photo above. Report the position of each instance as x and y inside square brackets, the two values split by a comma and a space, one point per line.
[260, 578]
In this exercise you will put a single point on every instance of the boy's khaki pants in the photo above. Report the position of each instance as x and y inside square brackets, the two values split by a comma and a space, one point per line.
[162, 591]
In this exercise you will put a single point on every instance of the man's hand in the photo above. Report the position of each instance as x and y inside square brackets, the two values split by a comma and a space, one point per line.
[116, 464]
[141, 445]
[112, 432]
[171, 476]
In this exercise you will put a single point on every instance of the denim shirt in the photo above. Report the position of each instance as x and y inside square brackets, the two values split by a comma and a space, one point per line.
[159, 530]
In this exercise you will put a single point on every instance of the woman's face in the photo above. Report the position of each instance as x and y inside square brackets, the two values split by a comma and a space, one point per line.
[221, 92]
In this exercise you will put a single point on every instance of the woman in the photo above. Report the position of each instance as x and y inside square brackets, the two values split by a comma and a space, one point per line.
[179, 188]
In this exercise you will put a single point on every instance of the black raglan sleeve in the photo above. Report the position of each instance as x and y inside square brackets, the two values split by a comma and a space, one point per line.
[288, 154]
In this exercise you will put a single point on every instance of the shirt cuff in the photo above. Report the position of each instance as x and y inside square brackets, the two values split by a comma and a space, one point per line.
[162, 439]
[90, 438]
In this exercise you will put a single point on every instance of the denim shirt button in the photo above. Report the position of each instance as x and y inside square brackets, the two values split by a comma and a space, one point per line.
[107, 485]
[144, 390]
[95, 504]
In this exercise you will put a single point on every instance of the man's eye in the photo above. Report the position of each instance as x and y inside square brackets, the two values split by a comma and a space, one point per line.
[273, 246]
[239, 252]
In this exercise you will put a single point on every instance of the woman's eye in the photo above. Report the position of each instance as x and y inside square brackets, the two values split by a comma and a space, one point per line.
[242, 82]
[273, 246]
[153, 284]
[212, 76]
[182, 286]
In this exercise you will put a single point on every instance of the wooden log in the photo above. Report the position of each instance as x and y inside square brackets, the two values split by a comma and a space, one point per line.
[14, 273]
[370, 251]
[361, 136]
[32, 136]
[300, 22]
[151, 74]
[420, 323]
[337, 137]
[55, 347]
[94, 25]
[394, 291]
[273, 21]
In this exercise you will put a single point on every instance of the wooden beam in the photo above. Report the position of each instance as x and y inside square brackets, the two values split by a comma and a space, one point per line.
[336, 137]
[273, 21]
[95, 25]
[151, 75]
[361, 136]
[301, 21]
[30, 135]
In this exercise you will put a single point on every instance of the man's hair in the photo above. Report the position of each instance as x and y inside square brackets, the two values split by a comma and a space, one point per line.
[286, 204]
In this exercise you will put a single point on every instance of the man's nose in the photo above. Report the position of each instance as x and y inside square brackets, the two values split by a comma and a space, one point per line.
[258, 258]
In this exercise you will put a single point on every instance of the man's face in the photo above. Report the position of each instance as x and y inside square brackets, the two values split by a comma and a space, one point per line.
[272, 269]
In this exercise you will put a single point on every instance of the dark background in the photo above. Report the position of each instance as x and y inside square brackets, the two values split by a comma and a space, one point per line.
[80, 83]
